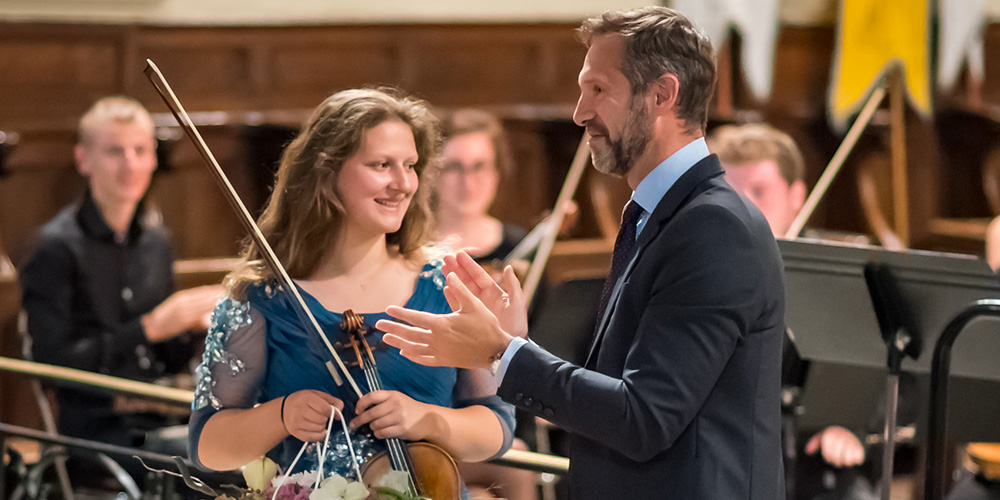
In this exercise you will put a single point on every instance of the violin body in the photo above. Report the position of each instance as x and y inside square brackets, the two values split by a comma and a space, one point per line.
[434, 470]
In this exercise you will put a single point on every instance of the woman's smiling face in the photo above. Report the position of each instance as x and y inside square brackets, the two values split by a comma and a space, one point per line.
[377, 184]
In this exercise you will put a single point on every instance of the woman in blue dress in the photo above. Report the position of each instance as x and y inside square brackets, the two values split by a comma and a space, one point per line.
[349, 220]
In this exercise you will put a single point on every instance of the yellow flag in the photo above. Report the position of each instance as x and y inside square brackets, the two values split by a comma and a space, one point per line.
[873, 35]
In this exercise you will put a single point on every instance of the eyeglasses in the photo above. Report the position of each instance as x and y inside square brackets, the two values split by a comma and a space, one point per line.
[476, 169]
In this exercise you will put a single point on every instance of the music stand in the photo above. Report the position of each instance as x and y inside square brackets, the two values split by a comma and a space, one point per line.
[938, 412]
[836, 329]
[902, 340]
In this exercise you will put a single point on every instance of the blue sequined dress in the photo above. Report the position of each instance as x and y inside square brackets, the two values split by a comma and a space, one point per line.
[256, 351]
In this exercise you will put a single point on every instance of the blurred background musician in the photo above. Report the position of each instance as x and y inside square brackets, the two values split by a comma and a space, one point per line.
[97, 288]
[766, 165]
[475, 159]
[476, 155]
[993, 244]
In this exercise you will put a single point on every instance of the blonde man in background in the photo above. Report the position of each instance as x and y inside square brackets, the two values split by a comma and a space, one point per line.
[98, 286]
[766, 165]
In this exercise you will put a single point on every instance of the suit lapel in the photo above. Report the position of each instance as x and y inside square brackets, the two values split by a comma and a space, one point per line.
[664, 211]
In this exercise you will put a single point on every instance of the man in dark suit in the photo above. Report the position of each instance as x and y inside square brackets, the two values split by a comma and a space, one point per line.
[679, 397]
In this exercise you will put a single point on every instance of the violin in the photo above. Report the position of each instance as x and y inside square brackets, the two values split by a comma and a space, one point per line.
[431, 471]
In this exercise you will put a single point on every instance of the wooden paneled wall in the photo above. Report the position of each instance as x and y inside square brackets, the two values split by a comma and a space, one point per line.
[247, 76]
[53, 72]
[240, 78]
[946, 152]
[525, 72]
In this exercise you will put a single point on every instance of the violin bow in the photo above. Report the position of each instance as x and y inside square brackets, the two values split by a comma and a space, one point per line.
[163, 88]
[554, 221]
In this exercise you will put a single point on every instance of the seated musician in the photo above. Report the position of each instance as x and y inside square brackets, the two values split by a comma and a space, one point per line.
[97, 288]
[349, 219]
[993, 244]
[766, 166]
[475, 156]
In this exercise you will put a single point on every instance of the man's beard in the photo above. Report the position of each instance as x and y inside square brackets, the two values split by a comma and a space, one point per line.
[622, 153]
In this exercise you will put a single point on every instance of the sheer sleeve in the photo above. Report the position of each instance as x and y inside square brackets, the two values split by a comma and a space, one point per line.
[479, 387]
[232, 367]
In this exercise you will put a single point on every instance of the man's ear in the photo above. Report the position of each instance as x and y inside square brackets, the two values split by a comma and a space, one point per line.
[797, 196]
[665, 91]
[80, 158]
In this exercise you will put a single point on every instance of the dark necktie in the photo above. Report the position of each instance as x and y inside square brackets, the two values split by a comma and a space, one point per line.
[624, 249]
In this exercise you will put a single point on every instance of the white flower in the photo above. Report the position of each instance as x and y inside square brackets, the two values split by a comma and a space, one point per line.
[258, 473]
[335, 484]
[304, 479]
[322, 494]
[356, 491]
[395, 480]
[336, 487]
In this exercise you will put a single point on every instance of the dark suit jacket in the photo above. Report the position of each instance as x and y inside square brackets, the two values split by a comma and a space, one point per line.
[679, 398]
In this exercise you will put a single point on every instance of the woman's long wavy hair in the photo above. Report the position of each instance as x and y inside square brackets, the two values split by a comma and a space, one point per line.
[305, 213]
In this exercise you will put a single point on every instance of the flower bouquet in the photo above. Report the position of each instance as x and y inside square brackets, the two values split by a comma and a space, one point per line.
[264, 481]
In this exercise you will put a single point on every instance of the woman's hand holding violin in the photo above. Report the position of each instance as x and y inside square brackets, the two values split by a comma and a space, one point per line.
[306, 413]
[392, 414]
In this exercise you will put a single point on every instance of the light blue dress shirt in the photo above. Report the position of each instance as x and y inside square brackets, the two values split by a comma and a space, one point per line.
[648, 194]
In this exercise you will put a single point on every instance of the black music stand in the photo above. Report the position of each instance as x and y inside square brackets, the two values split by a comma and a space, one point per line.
[935, 472]
[836, 329]
[902, 340]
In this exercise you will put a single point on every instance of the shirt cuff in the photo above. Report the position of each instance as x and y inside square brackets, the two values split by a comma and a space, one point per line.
[508, 355]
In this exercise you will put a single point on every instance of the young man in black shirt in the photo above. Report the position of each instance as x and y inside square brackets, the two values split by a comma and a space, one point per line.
[97, 289]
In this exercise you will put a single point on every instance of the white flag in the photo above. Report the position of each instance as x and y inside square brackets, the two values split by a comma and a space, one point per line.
[757, 22]
[961, 39]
